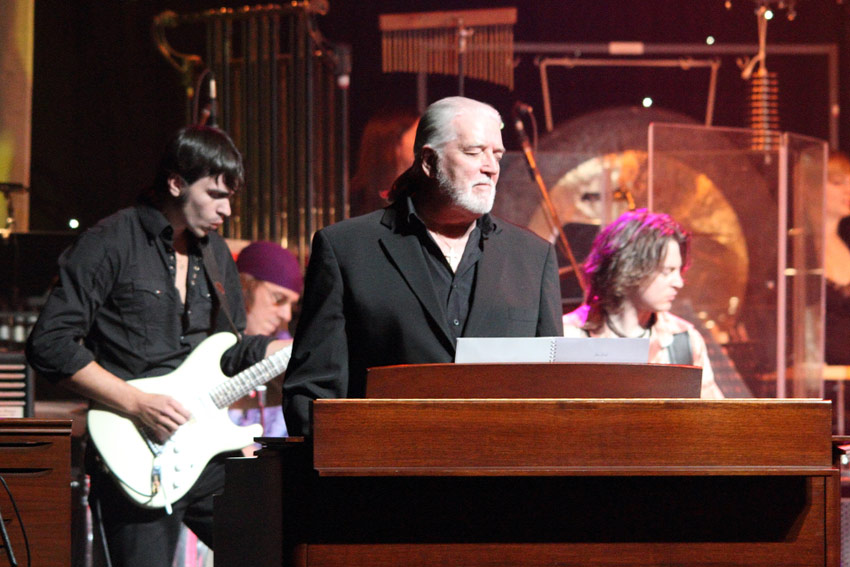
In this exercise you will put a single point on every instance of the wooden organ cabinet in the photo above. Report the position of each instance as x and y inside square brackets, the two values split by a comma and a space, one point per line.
[35, 462]
[539, 482]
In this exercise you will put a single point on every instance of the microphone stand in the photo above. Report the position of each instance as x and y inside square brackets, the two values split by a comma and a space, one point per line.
[519, 109]
[261, 403]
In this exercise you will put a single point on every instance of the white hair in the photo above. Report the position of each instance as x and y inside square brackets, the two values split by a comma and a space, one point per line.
[436, 128]
[436, 125]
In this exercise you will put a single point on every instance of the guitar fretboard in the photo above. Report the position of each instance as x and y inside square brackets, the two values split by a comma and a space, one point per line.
[234, 388]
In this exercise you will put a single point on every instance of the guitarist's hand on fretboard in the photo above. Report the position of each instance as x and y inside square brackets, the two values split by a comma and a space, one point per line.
[160, 415]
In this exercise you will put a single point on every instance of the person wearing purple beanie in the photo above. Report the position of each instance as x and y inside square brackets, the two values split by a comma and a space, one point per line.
[271, 285]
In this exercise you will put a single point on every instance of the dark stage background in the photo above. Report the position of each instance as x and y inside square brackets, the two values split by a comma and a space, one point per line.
[104, 100]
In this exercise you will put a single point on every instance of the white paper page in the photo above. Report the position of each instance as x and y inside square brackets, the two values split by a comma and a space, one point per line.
[551, 349]
[601, 350]
[504, 349]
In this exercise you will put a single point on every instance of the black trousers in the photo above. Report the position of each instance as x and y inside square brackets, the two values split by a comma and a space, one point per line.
[140, 537]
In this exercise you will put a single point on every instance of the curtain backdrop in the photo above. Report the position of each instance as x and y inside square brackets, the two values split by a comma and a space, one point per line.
[16, 49]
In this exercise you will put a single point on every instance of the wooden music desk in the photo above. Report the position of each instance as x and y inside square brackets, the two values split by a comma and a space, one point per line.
[539, 482]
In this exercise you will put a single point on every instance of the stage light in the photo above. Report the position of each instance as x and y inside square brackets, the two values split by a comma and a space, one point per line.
[768, 15]
[73, 224]
[709, 40]
[647, 102]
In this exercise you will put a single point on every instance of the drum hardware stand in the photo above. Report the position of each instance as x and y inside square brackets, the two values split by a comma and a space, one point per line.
[520, 109]
[683, 63]
[622, 194]
[764, 86]
[463, 34]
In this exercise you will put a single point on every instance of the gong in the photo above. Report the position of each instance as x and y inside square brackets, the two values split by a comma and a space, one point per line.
[596, 166]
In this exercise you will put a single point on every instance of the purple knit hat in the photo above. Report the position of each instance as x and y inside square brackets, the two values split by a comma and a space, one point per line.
[271, 262]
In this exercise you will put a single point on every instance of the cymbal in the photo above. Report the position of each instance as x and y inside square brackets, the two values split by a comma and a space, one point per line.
[585, 179]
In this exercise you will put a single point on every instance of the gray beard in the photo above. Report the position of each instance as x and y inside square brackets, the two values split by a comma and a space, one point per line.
[465, 199]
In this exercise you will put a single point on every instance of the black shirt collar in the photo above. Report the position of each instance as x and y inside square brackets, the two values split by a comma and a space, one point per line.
[156, 225]
[154, 222]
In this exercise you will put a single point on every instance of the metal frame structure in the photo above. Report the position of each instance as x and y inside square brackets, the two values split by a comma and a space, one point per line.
[576, 51]
[572, 62]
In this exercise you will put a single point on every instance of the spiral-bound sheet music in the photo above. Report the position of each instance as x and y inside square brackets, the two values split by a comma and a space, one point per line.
[552, 349]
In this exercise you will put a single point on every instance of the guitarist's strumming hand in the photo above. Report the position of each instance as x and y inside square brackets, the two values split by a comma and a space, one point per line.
[135, 432]
[160, 415]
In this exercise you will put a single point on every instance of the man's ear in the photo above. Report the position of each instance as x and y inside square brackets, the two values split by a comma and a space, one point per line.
[429, 161]
[175, 185]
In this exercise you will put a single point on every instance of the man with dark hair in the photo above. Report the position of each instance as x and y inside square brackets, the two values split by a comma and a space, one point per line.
[400, 285]
[135, 297]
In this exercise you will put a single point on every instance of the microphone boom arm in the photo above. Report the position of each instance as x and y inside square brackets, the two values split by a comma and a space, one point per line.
[554, 220]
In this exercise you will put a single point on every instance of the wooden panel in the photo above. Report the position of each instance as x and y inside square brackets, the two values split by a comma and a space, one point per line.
[434, 486]
[549, 555]
[832, 519]
[429, 20]
[549, 380]
[570, 436]
[568, 521]
[258, 498]
[35, 461]
[529, 555]
[599, 521]
[33, 453]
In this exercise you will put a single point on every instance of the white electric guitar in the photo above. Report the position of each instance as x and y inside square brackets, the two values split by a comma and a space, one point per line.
[155, 475]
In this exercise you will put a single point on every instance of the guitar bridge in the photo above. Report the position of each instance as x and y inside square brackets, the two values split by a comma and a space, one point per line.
[156, 480]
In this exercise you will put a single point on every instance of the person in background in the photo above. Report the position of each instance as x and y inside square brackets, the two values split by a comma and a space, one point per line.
[386, 150]
[401, 284]
[271, 285]
[837, 260]
[633, 273]
[136, 294]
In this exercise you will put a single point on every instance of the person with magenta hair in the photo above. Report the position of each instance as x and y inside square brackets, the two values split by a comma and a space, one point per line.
[633, 273]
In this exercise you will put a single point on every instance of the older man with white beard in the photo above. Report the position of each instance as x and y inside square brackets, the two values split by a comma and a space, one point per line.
[400, 285]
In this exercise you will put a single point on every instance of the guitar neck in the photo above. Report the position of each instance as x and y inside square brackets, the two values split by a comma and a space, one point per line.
[234, 388]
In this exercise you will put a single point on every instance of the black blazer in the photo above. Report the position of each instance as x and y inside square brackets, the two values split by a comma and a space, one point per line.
[368, 301]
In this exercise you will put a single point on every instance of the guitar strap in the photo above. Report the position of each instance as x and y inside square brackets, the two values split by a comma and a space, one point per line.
[680, 349]
[211, 268]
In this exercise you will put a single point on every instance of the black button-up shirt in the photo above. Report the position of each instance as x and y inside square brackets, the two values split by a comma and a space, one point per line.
[455, 289]
[116, 303]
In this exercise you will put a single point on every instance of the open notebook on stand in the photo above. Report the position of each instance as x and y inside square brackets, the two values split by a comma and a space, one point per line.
[538, 368]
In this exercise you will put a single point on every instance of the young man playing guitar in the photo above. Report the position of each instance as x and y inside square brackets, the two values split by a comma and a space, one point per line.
[136, 294]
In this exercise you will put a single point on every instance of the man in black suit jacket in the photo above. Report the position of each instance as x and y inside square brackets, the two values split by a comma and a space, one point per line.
[400, 285]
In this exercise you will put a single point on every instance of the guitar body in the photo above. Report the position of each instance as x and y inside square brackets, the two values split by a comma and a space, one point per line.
[131, 457]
